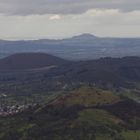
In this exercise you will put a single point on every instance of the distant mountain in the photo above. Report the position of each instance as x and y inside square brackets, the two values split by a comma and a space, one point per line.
[26, 61]
[85, 37]
[81, 47]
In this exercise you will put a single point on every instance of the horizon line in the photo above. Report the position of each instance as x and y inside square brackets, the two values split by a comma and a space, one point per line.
[68, 37]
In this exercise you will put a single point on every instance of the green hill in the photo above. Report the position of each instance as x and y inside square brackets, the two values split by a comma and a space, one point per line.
[82, 114]
[87, 96]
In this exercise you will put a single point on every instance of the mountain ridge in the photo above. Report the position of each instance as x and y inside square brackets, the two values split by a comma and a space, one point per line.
[74, 36]
[86, 35]
[80, 47]
[106, 73]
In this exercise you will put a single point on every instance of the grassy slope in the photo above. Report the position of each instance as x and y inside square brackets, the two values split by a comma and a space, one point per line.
[87, 96]
[70, 117]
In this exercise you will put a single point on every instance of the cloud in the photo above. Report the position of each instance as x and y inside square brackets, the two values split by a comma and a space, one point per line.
[31, 7]
[101, 22]
[55, 17]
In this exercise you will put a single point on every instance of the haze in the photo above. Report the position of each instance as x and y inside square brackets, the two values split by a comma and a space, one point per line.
[35, 19]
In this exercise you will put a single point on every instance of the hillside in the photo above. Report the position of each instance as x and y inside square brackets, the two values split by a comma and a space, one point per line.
[26, 61]
[41, 73]
[57, 121]
[88, 97]
[104, 72]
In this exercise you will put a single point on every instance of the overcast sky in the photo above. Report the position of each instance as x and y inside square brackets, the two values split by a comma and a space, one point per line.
[34, 19]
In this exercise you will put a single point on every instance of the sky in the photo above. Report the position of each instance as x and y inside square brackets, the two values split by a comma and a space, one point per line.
[36, 19]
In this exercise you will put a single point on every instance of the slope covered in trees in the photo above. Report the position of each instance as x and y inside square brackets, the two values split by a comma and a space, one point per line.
[59, 119]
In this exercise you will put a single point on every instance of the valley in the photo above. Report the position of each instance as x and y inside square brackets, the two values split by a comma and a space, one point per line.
[69, 70]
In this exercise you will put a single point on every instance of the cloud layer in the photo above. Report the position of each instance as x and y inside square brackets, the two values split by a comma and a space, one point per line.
[30, 7]
[106, 22]
[33, 19]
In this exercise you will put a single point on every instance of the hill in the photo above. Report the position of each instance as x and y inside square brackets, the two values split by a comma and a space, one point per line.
[29, 61]
[76, 121]
[88, 97]
[104, 72]
[41, 73]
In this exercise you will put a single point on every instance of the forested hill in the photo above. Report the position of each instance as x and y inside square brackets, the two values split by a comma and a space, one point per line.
[53, 73]
[25, 61]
